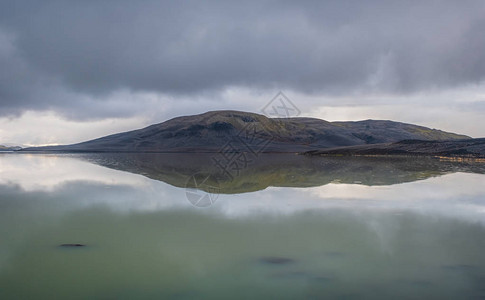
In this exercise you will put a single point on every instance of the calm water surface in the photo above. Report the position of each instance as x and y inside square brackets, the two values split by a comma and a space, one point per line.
[284, 228]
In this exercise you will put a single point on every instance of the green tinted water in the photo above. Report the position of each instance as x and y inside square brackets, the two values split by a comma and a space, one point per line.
[145, 240]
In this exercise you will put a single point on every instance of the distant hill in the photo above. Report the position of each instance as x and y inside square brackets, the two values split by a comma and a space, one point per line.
[243, 131]
[9, 148]
[468, 148]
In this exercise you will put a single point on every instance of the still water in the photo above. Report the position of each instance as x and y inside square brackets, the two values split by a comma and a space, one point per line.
[284, 227]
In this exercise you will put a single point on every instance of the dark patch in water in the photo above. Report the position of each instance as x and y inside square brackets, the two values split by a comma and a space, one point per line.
[276, 260]
[72, 245]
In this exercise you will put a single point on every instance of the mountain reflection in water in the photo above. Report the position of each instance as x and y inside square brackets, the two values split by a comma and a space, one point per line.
[280, 170]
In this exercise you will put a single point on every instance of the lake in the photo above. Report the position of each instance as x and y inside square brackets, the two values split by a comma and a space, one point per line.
[283, 226]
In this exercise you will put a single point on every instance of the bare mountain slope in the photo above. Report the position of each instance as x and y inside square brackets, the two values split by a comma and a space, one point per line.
[242, 131]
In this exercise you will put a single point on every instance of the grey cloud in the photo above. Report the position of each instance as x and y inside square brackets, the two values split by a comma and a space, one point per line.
[93, 48]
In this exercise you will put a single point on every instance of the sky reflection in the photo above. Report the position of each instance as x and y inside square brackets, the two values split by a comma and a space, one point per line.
[69, 183]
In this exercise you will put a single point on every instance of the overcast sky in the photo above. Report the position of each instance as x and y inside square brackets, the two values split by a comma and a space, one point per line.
[76, 70]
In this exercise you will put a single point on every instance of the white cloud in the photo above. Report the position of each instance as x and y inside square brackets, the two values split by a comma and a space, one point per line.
[43, 128]
[456, 110]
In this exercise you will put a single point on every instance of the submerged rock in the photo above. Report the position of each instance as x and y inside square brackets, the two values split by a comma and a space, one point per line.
[72, 245]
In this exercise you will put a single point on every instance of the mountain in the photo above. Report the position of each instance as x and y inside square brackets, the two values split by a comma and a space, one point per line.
[236, 131]
[9, 148]
[468, 148]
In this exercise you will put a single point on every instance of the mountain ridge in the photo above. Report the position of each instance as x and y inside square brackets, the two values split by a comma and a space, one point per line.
[9, 148]
[213, 130]
[466, 148]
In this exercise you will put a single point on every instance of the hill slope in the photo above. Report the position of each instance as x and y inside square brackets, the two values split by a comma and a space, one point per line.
[9, 148]
[472, 148]
[242, 131]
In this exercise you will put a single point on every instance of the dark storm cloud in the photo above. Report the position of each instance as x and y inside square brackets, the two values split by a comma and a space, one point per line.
[57, 54]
